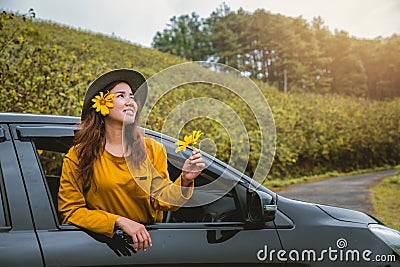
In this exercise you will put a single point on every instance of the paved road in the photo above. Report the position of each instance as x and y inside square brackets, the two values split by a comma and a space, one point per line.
[347, 192]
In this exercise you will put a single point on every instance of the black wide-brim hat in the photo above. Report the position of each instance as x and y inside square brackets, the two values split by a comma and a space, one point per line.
[133, 78]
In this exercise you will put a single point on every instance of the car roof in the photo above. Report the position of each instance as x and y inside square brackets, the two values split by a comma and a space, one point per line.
[10, 117]
[13, 117]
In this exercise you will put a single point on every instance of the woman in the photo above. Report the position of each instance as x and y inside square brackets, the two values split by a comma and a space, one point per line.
[113, 176]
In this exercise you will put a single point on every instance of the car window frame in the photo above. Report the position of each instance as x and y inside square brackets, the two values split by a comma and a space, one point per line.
[4, 217]
[11, 185]
[24, 133]
[19, 234]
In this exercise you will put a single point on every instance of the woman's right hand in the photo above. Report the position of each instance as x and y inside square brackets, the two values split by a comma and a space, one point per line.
[140, 236]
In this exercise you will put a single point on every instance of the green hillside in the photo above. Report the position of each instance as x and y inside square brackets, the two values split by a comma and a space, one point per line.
[44, 64]
[45, 68]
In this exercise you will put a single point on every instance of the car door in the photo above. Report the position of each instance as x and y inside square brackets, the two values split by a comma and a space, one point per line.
[213, 227]
[216, 239]
[18, 242]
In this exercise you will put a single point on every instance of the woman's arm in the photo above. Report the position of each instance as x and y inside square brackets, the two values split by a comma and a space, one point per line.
[165, 194]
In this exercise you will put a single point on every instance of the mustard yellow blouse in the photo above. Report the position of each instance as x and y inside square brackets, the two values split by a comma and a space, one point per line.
[140, 194]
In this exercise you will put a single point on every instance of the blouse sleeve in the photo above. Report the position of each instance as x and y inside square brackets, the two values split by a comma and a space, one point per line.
[72, 204]
[166, 195]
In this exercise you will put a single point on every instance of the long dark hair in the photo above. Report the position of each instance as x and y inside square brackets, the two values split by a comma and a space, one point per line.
[90, 141]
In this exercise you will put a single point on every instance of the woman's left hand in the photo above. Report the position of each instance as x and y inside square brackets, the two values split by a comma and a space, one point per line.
[192, 168]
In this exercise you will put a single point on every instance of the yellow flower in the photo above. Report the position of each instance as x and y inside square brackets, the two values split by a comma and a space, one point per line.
[188, 140]
[103, 102]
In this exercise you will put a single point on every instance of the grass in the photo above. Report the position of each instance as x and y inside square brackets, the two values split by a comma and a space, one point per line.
[385, 198]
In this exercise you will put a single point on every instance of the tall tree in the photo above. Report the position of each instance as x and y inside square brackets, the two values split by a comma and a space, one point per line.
[323, 72]
[226, 29]
[388, 85]
[263, 45]
[348, 73]
[367, 51]
[184, 37]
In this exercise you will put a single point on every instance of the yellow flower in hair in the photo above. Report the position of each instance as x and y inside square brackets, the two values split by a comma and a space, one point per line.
[102, 103]
[188, 140]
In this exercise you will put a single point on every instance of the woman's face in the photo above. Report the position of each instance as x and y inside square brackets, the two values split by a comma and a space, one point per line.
[125, 108]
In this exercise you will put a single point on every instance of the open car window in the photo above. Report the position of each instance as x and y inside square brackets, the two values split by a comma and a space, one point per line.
[215, 197]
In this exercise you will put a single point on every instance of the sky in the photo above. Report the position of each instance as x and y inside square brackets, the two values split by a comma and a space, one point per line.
[139, 20]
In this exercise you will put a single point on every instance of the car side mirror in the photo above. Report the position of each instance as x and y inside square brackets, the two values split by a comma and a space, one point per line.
[261, 206]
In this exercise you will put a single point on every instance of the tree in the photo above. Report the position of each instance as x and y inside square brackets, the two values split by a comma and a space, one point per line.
[348, 72]
[227, 34]
[184, 37]
[367, 51]
[323, 72]
[388, 84]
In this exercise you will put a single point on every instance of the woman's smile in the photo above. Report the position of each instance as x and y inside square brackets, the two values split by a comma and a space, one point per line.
[125, 107]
